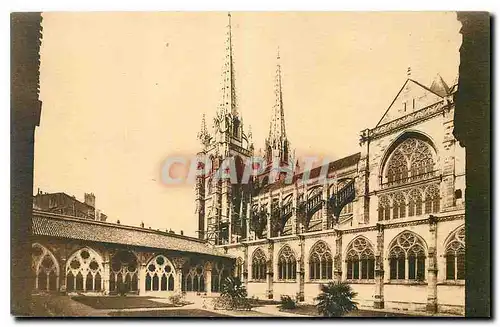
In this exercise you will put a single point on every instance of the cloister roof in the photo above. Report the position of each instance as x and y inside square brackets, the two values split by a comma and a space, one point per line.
[61, 226]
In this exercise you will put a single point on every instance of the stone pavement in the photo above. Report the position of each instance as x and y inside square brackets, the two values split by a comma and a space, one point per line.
[273, 310]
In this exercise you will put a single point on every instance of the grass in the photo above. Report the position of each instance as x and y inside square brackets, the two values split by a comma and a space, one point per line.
[311, 310]
[168, 313]
[119, 302]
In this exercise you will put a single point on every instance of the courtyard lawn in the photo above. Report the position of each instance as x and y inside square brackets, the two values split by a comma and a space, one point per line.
[120, 302]
[312, 310]
[168, 313]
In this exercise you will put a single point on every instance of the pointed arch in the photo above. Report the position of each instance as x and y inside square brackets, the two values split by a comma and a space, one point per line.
[45, 268]
[360, 259]
[259, 265]
[84, 271]
[320, 261]
[123, 272]
[407, 255]
[159, 271]
[219, 274]
[455, 254]
[411, 156]
[287, 263]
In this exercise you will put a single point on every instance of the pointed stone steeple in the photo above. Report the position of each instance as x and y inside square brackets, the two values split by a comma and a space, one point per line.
[277, 145]
[228, 103]
[203, 135]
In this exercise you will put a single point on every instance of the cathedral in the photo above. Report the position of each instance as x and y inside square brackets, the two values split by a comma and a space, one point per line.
[388, 219]
[390, 222]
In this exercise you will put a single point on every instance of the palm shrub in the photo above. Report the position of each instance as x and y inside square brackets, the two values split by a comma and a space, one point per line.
[336, 299]
[233, 287]
[287, 302]
[233, 294]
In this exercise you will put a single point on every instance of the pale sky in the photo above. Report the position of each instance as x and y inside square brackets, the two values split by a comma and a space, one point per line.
[122, 92]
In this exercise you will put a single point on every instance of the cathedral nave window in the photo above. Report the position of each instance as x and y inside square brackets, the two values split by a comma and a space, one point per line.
[455, 256]
[360, 260]
[259, 265]
[287, 264]
[320, 262]
[407, 258]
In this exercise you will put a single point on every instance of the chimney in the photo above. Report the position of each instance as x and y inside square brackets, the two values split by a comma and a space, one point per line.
[90, 199]
[182, 232]
[142, 224]
[118, 221]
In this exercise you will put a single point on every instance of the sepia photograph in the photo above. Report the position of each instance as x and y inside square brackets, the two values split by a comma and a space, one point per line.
[250, 164]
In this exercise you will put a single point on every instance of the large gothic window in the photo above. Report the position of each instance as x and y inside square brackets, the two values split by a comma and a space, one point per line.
[455, 255]
[320, 262]
[384, 208]
[287, 264]
[124, 272]
[259, 265]
[160, 274]
[411, 160]
[432, 199]
[45, 268]
[219, 274]
[84, 271]
[407, 257]
[360, 260]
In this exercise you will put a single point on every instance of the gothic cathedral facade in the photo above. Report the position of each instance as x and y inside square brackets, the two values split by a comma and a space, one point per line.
[390, 223]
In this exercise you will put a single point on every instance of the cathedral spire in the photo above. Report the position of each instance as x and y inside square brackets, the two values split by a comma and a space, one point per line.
[277, 143]
[228, 103]
[203, 135]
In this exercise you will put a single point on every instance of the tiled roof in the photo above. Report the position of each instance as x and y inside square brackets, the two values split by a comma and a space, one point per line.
[53, 225]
